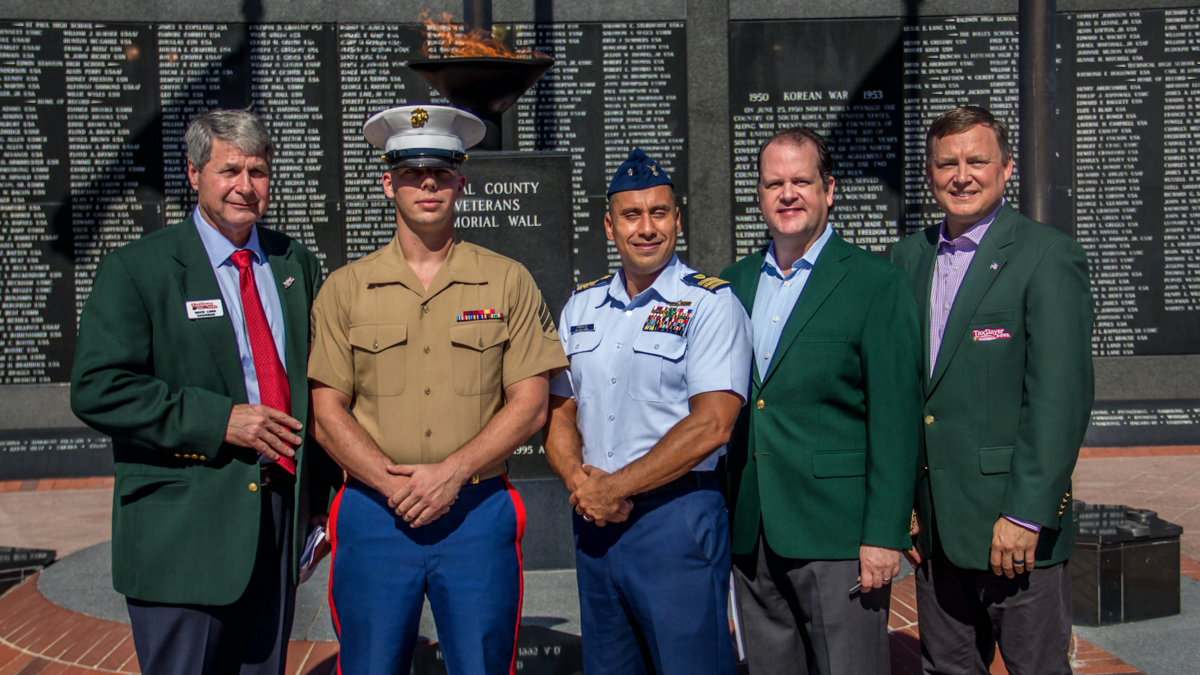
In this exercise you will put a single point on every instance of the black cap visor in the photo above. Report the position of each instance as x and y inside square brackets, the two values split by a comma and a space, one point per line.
[419, 158]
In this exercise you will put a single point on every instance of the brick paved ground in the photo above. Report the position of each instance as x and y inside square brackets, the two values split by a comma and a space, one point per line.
[37, 637]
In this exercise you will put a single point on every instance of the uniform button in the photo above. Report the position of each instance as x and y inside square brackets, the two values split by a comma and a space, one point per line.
[614, 380]
[428, 432]
[618, 345]
[426, 349]
[203, 458]
[628, 312]
[656, 346]
[376, 345]
[761, 404]
[766, 356]
[776, 319]
[425, 309]
[576, 345]
[610, 454]
[926, 468]
[929, 419]
[611, 418]
[426, 391]
[786, 284]
[481, 343]
[754, 455]
[177, 454]
[253, 487]
[946, 306]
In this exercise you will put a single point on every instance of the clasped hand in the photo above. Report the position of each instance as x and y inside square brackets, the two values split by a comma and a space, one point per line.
[423, 492]
[595, 499]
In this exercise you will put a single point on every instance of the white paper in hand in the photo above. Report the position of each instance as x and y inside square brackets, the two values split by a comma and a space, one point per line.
[310, 558]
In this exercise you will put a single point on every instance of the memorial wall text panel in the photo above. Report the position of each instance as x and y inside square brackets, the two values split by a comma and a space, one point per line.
[616, 86]
[93, 117]
[1128, 152]
[1130, 80]
[852, 97]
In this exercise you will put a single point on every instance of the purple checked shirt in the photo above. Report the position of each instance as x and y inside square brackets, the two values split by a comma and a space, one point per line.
[954, 257]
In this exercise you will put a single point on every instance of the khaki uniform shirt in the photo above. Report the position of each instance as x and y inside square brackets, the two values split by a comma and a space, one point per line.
[426, 369]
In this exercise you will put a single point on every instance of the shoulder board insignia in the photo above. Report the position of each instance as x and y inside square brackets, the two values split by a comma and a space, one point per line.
[710, 284]
[602, 281]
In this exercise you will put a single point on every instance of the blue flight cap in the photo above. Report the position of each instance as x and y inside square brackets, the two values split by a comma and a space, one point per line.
[639, 172]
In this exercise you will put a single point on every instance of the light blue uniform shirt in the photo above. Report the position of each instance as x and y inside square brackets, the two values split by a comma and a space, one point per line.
[776, 296]
[219, 249]
[636, 362]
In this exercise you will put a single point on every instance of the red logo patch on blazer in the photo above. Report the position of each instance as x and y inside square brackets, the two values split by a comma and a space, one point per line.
[989, 334]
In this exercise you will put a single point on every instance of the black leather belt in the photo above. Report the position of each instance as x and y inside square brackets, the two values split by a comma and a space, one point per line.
[273, 474]
[689, 480]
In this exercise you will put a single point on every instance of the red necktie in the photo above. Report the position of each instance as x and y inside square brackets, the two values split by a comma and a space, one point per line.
[273, 388]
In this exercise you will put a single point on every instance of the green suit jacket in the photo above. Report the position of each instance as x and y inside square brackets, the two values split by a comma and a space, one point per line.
[824, 457]
[1004, 416]
[185, 521]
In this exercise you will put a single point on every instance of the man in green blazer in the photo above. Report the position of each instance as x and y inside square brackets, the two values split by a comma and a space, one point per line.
[192, 356]
[1006, 331]
[823, 460]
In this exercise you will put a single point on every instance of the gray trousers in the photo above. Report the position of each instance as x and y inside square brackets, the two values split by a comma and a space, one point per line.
[249, 637]
[962, 614]
[799, 616]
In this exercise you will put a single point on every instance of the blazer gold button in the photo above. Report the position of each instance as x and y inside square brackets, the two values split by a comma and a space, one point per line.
[929, 419]
[429, 432]
[425, 308]
[203, 458]
[761, 404]
[754, 455]
[253, 487]
[426, 350]
[177, 454]
[426, 391]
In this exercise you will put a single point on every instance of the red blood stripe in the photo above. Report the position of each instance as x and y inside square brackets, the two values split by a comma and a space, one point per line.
[519, 508]
[331, 534]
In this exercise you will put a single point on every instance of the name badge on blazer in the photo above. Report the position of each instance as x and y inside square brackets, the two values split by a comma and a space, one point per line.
[204, 309]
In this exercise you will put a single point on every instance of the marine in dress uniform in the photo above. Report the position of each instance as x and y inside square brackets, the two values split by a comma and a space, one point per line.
[1006, 328]
[430, 364]
[660, 365]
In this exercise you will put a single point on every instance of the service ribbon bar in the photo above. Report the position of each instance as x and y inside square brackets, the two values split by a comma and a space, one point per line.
[480, 314]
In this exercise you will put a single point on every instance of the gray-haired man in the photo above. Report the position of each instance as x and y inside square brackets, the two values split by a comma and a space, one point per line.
[192, 355]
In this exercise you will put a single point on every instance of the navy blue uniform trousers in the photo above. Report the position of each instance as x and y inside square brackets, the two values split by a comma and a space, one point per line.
[657, 584]
[248, 637]
[468, 562]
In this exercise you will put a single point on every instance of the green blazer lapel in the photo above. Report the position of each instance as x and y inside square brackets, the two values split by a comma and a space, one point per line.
[826, 274]
[200, 283]
[295, 315]
[985, 267]
[925, 267]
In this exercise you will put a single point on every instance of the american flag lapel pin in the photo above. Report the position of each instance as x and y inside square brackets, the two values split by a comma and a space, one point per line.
[995, 266]
[287, 283]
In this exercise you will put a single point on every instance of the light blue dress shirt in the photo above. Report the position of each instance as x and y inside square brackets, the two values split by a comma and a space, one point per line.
[634, 366]
[219, 249]
[776, 296]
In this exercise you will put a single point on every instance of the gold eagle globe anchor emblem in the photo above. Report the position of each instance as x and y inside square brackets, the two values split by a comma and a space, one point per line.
[419, 118]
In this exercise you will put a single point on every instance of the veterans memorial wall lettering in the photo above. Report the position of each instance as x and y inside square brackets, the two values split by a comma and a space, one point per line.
[1128, 151]
[93, 115]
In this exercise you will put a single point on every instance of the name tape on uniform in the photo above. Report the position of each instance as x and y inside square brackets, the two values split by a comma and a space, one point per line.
[480, 314]
[204, 309]
[668, 320]
[583, 328]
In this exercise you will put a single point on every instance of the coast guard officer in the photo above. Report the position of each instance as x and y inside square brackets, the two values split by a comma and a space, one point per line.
[430, 364]
[660, 366]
